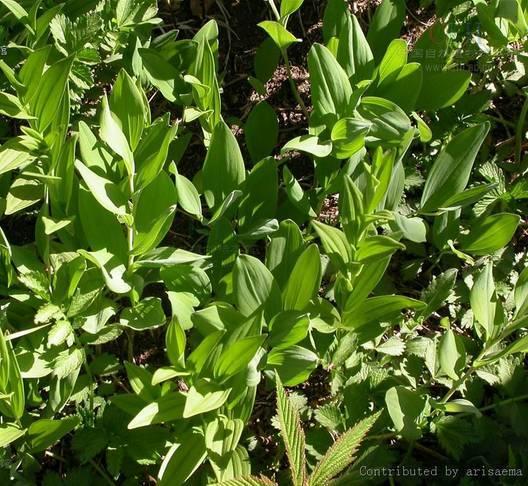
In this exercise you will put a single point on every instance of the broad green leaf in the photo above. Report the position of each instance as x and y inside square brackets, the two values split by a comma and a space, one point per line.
[154, 213]
[292, 435]
[222, 436]
[334, 243]
[331, 90]
[287, 7]
[469, 196]
[283, 250]
[23, 193]
[375, 247]
[288, 328]
[254, 287]
[353, 51]
[266, 60]
[164, 409]
[309, 144]
[260, 194]
[403, 88]
[100, 227]
[111, 268]
[304, 281]
[385, 26]
[369, 276]
[450, 172]
[141, 382]
[203, 397]
[153, 150]
[451, 354]
[282, 37]
[166, 257]
[413, 229]
[407, 409]
[295, 193]
[236, 357]
[14, 155]
[348, 137]
[449, 87]
[126, 103]
[461, 405]
[378, 309]
[261, 131]
[188, 196]
[105, 192]
[175, 342]
[389, 123]
[9, 433]
[483, 300]
[11, 106]
[52, 87]
[489, 233]
[182, 459]
[146, 314]
[294, 364]
[393, 60]
[45, 432]
[112, 134]
[223, 168]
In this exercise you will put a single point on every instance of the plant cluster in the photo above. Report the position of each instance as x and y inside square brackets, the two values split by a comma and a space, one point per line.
[149, 314]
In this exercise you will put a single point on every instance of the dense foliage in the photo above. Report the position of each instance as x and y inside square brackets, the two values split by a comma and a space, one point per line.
[191, 296]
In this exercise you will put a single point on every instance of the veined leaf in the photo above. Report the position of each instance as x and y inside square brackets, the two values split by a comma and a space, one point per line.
[451, 170]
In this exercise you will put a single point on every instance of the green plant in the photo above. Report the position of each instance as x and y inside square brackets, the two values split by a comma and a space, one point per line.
[161, 272]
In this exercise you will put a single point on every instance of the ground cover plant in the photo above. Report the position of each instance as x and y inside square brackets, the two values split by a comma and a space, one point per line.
[266, 242]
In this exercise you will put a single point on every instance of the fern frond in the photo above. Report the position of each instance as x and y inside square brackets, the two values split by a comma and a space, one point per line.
[342, 452]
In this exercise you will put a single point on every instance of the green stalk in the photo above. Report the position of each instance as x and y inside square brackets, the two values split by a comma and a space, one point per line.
[287, 64]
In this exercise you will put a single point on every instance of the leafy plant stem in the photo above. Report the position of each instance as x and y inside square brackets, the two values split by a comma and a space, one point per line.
[287, 64]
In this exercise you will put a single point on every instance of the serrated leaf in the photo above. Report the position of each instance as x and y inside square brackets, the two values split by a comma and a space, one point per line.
[292, 435]
[342, 452]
